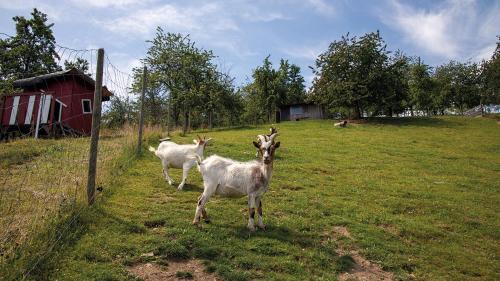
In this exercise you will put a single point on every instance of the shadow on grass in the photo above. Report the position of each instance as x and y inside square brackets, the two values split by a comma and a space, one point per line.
[192, 188]
[280, 233]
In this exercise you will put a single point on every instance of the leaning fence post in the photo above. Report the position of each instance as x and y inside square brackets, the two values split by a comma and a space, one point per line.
[96, 122]
[141, 113]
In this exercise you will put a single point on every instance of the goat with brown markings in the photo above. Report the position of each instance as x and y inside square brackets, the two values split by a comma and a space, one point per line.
[230, 178]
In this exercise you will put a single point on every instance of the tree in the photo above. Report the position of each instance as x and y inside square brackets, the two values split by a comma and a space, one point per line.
[420, 86]
[120, 111]
[32, 51]
[186, 83]
[79, 64]
[264, 77]
[296, 88]
[356, 74]
[490, 77]
[272, 88]
[459, 84]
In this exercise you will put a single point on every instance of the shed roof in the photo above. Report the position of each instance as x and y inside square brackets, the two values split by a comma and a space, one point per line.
[73, 72]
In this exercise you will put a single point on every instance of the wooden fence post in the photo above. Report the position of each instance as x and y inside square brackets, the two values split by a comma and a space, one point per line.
[141, 113]
[96, 122]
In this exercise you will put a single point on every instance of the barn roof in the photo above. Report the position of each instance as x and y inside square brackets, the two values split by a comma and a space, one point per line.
[73, 72]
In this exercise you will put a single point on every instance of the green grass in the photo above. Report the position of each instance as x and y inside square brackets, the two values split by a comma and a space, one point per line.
[420, 197]
[43, 193]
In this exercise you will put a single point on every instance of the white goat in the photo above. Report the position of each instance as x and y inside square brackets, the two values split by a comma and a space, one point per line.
[179, 156]
[230, 178]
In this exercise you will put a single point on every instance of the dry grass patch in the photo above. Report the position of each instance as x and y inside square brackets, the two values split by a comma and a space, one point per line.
[175, 270]
[360, 268]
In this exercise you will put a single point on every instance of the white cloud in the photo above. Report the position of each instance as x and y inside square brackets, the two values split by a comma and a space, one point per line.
[322, 6]
[253, 14]
[452, 30]
[484, 53]
[181, 19]
[106, 3]
[306, 52]
[54, 12]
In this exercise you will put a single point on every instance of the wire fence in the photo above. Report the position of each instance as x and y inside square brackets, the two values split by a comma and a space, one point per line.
[43, 181]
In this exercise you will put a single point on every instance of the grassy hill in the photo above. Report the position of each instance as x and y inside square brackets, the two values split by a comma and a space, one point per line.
[419, 198]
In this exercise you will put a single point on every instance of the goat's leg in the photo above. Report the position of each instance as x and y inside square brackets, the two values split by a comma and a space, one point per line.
[165, 173]
[204, 215]
[258, 202]
[200, 208]
[185, 170]
[251, 212]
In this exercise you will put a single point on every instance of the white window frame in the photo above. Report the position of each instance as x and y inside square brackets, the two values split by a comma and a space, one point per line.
[83, 107]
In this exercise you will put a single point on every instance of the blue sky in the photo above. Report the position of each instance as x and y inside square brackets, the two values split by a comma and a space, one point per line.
[242, 33]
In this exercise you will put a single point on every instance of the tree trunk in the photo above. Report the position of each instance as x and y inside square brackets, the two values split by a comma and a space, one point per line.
[358, 111]
[168, 117]
[210, 116]
[185, 123]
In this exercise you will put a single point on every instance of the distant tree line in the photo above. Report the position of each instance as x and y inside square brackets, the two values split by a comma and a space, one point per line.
[359, 77]
[355, 77]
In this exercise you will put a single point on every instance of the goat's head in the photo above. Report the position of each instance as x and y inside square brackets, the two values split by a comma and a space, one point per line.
[202, 142]
[267, 147]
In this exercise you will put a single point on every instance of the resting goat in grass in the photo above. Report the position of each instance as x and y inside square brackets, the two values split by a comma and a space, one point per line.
[179, 156]
[230, 178]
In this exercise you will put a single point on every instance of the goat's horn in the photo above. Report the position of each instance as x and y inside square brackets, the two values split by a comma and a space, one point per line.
[198, 137]
[262, 138]
[271, 138]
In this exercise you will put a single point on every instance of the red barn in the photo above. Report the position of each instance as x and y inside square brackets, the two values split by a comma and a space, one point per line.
[61, 102]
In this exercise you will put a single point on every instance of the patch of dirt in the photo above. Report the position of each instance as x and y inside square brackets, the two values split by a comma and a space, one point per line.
[160, 198]
[341, 231]
[155, 272]
[363, 270]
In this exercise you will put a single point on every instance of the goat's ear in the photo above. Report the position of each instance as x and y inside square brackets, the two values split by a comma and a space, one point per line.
[195, 141]
[276, 145]
[256, 144]
[209, 140]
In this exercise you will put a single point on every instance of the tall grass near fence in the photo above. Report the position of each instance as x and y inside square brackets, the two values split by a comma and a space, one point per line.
[43, 195]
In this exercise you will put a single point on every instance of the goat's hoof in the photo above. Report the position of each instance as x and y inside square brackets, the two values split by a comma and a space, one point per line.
[197, 224]
[262, 226]
[207, 221]
[179, 188]
[170, 182]
[251, 228]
